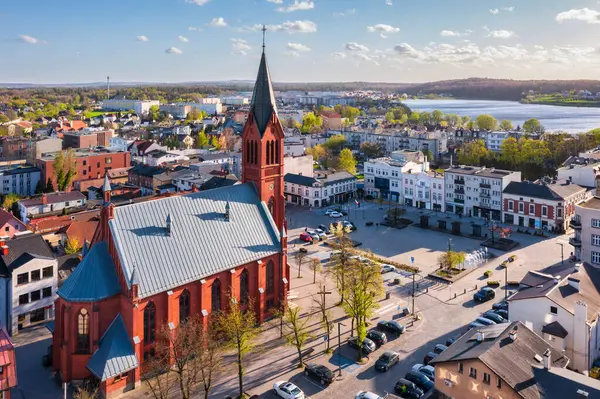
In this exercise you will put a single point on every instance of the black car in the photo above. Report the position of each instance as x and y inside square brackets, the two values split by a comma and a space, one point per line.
[408, 389]
[485, 294]
[387, 360]
[450, 341]
[392, 326]
[319, 373]
[420, 380]
[496, 318]
[324, 228]
[439, 348]
[429, 357]
[378, 337]
[500, 305]
[502, 312]
[368, 346]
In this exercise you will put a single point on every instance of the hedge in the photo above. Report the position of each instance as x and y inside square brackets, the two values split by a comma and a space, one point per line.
[397, 265]
[493, 283]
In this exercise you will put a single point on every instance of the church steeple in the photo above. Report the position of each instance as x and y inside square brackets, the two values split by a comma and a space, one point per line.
[263, 99]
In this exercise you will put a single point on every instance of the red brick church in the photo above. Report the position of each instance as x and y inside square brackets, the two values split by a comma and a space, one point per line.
[156, 263]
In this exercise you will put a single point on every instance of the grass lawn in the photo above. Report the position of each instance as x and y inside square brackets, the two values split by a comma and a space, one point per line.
[360, 176]
[94, 114]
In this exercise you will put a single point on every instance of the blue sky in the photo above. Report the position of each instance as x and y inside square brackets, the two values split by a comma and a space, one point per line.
[72, 41]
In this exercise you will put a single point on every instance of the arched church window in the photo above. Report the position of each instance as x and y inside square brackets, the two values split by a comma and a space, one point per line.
[184, 306]
[150, 323]
[271, 206]
[244, 287]
[270, 278]
[83, 331]
[216, 295]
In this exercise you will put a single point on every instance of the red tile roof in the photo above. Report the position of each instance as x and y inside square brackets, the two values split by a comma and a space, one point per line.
[81, 231]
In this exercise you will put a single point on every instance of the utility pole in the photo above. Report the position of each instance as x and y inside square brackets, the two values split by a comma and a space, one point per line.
[413, 294]
[506, 281]
[562, 253]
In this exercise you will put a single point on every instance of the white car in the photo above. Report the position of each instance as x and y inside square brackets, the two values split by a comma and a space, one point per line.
[321, 234]
[315, 236]
[335, 215]
[287, 390]
[329, 211]
[367, 395]
[387, 268]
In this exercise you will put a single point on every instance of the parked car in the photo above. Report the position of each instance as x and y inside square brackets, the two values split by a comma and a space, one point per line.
[334, 255]
[378, 337]
[429, 357]
[420, 380]
[496, 318]
[314, 235]
[324, 228]
[368, 346]
[503, 313]
[321, 233]
[367, 395]
[484, 321]
[429, 371]
[500, 305]
[439, 348]
[349, 224]
[330, 211]
[335, 215]
[408, 389]
[385, 268]
[319, 373]
[450, 341]
[287, 390]
[392, 326]
[387, 360]
[306, 237]
[484, 294]
[474, 324]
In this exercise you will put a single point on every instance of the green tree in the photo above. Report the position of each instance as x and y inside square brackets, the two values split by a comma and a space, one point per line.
[320, 306]
[342, 245]
[3, 118]
[201, 140]
[453, 120]
[506, 125]
[510, 152]
[214, 142]
[465, 120]
[437, 116]
[533, 126]
[154, 113]
[72, 246]
[371, 150]
[451, 259]
[472, 153]
[425, 118]
[347, 161]
[297, 327]
[38, 188]
[299, 257]
[335, 143]
[310, 122]
[315, 266]
[49, 186]
[429, 155]
[9, 201]
[65, 168]
[237, 327]
[318, 152]
[487, 122]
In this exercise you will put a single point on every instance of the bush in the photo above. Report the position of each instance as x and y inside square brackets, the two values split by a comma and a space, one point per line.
[368, 197]
[513, 283]
[487, 273]
[397, 265]
[493, 283]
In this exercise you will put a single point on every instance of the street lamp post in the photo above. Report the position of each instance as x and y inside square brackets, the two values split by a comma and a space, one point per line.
[506, 281]
[562, 253]
[339, 356]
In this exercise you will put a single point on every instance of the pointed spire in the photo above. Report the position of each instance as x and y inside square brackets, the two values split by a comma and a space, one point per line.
[169, 224]
[263, 98]
[106, 186]
[227, 210]
[85, 249]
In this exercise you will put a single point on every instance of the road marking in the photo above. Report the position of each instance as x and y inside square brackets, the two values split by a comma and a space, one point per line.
[386, 308]
[292, 295]
[321, 387]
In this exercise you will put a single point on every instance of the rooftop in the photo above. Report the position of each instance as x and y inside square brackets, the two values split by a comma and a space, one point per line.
[480, 171]
[53, 198]
[558, 191]
[81, 153]
[21, 250]
[592, 203]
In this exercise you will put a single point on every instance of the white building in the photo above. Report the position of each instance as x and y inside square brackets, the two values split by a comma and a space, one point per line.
[293, 147]
[21, 180]
[582, 175]
[435, 142]
[209, 108]
[158, 157]
[141, 107]
[30, 274]
[50, 204]
[117, 143]
[235, 100]
[300, 165]
[494, 140]
[335, 188]
[561, 304]
[586, 225]
[477, 191]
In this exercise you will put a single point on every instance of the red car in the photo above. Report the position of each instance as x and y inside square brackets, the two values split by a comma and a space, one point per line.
[306, 237]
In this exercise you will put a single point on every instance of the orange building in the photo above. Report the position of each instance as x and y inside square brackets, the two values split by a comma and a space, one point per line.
[155, 263]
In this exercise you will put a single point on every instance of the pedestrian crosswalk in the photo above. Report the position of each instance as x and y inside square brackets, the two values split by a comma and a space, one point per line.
[292, 295]
[387, 308]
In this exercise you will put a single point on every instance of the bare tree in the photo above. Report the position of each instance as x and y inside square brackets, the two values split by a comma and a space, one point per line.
[299, 257]
[320, 305]
[315, 266]
[86, 392]
[342, 245]
[156, 372]
[298, 332]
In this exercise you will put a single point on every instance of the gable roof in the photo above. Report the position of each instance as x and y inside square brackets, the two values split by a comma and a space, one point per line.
[299, 179]
[54, 198]
[6, 217]
[81, 231]
[201, 242]
[115, 354]
[556, 329]
[263, 99]
[513, 361]
[23, 249]
[94, 279]
[555, 192]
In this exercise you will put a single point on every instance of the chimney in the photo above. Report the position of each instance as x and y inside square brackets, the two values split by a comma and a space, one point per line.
[44, 199]
[547, 359]
[5, 250]
[577, 267]
[227, 211]
[512, 335]
[480, 336]
[575, 283]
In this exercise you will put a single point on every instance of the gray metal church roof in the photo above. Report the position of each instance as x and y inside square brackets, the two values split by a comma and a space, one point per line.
[263, 99]
[201, 242]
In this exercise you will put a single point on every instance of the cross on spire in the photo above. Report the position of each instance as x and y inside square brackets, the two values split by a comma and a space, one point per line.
[264, 30]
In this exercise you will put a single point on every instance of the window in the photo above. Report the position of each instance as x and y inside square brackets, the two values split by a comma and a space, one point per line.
[499, 383]
[544, 211]
[216, 295]
[472, 372]
[35, 275]
[521, 207]
[511, 205]
[559, 212]
[270, 278]
[47, 292]
[83, 331]
[184, 306]
[531, 208]
[271, 205]
[23, 299]
[596, 240]
[48, 272]
[596, 258]
[596, 223]
[149, 323]
[35, 295]
[553, 310]
[460, 368]
[486, 378]
[244, 287]
[22, 278]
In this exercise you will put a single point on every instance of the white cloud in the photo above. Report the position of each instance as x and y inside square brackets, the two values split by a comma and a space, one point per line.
[288, 26]
[30, 39]
[338, 55]
[298, 47]
[449, 33]
[509, 9]
[239, 52]
[501, 34]
[291, 53]
[173, 50]
[383, 28]
[182, 39]
[198, 2]
[352, 46]
[218, 22]
[494, 11]
[276, 1]
[142, 38]
[298, 5]
[583, 14]
[240, 44]
[388, 2]
[350, 11]
[538, 47]
[193, 28]
[364, 57]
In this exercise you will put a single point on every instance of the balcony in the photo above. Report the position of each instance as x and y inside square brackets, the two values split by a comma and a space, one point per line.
[459, 190]
[459, 201]
[575, 224]
[576, 242]
[484, 195]
[483, 185]
[459, 181]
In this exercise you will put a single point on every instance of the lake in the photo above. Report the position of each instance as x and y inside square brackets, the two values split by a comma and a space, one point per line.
[569, 119]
